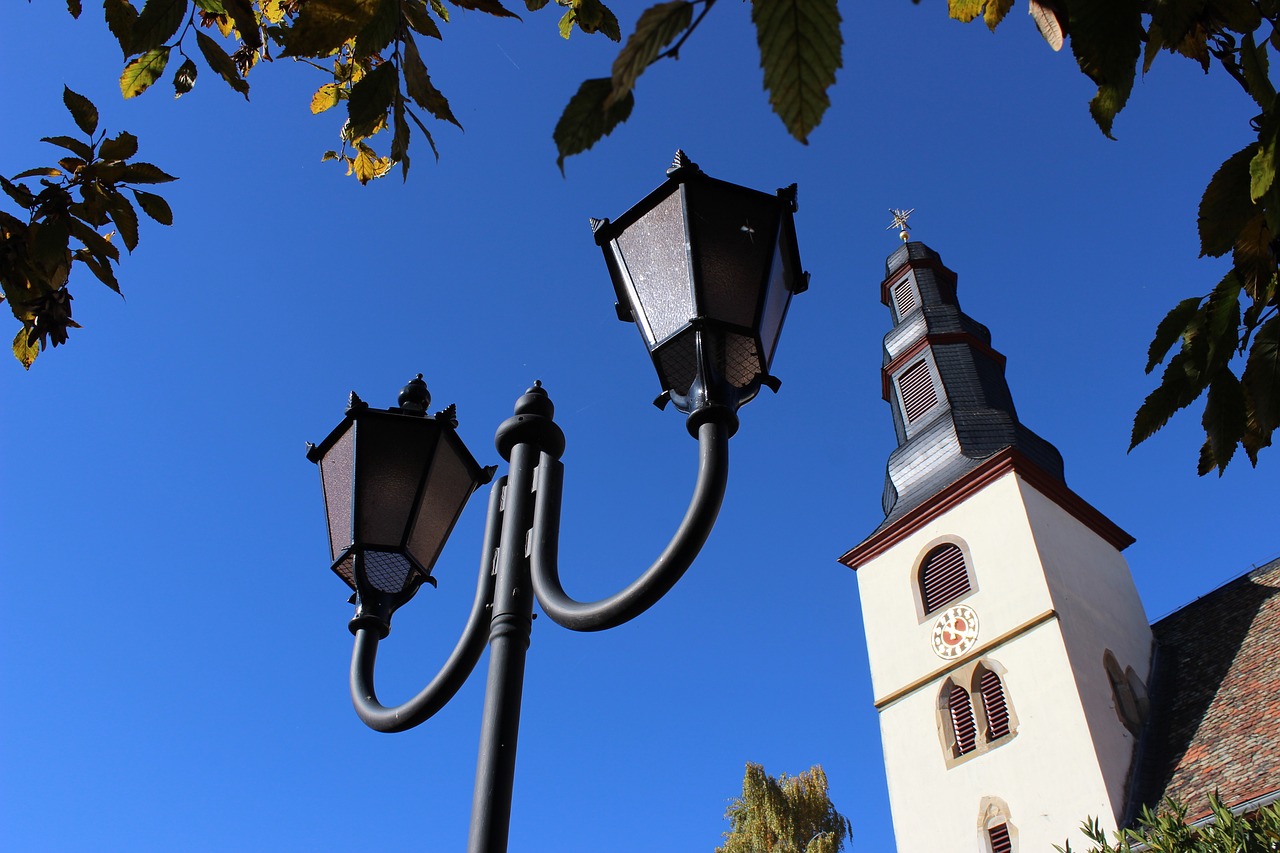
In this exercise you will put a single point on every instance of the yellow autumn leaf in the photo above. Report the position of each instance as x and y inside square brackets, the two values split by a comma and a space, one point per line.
[324, 98]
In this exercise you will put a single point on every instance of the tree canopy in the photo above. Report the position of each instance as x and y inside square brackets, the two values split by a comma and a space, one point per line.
[370, 56]
[787, 814]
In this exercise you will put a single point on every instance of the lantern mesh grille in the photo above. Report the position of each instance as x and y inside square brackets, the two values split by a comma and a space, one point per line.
[347, 570]
[386, 570]
[678, 363]
[741, 361]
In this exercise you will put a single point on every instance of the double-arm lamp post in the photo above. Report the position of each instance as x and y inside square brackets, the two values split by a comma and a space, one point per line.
[706, 270]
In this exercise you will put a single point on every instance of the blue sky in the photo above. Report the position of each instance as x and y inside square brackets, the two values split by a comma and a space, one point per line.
[176, 648]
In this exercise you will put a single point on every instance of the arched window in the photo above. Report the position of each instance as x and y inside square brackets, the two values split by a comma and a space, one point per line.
[943, 577]
[998, 831]
[964, 729]
[994, 707]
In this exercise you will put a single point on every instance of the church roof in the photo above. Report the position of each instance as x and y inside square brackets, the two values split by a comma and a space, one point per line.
[1215, 699]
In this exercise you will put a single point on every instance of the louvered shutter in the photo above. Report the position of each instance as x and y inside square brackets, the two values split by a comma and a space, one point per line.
[904, 298]
[943, 577]
[919, 395]
[993, 705]
[962, 723]
[999, 837]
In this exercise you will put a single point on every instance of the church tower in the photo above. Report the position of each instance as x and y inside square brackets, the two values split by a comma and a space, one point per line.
[1007, 642]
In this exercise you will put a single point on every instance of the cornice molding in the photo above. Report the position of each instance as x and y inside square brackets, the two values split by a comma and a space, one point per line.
[1009, 460]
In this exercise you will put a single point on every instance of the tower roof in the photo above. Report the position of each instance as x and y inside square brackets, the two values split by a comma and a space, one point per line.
[945, 384]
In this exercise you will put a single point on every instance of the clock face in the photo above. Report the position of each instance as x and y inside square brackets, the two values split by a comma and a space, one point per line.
[955, 632]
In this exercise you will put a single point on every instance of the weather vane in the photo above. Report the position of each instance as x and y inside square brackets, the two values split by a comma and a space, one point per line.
[900, 222]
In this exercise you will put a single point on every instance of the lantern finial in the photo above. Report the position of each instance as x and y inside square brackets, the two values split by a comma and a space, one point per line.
[680, 163]
[414, 397]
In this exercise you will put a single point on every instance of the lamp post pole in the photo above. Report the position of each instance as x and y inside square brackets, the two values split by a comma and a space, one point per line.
[522, 439]
[706, 270]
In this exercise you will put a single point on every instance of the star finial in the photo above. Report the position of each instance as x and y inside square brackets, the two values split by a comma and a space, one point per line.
[900, 222]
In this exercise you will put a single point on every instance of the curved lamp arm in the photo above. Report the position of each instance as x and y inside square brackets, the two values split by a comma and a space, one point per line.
[669, 567]
[461, 661]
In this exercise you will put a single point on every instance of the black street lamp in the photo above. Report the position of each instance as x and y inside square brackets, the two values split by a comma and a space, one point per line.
[706, 269]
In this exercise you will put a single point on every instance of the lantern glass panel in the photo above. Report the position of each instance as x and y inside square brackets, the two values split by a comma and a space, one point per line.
[777, 296]
[449, 484]
[656, 259]
[335, 477]
[392, 455]
[732, 230]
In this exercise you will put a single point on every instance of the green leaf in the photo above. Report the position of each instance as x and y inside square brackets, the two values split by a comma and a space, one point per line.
[592, 16]
[493, 7]
[185, 78]
[800, 47]
[139, 74]
[1106, 38]
[430, 140]
[371, 98]
[1262, 170]
[18, 193]
[1261, 377]
[1170, 329]
[400, 141]
[123, 146]
[121, 17]
[101, 270]
[241, 12]
[534, 5]
[586, 119]
[326, 97]
[1253, 62]
[378, 32]
[221, 63]
[566, 23]
[145, 173]
[100, 247]
[418, 84]
[1225, 208]
[25, 350]
[323, 26]
[82, 110]
[415, 12]
[156, 24]
[1178, 388]
[75, 146]
[657, 27]
[1224, 419]
[40, 171]
[154, 206]
[125, 218]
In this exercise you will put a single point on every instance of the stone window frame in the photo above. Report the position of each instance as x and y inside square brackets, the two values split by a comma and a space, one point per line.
[922, 614]
[993, 814]
[969, 678]
[1128, 694]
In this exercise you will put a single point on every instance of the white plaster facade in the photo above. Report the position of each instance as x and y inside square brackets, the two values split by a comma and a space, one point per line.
[1052, 596]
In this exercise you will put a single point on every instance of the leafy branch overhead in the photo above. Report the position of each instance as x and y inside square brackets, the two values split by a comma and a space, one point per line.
[372, 55]
[1229, 338]
[63, 221]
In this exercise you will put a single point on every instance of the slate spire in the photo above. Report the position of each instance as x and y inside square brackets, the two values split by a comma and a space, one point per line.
[945, 385]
